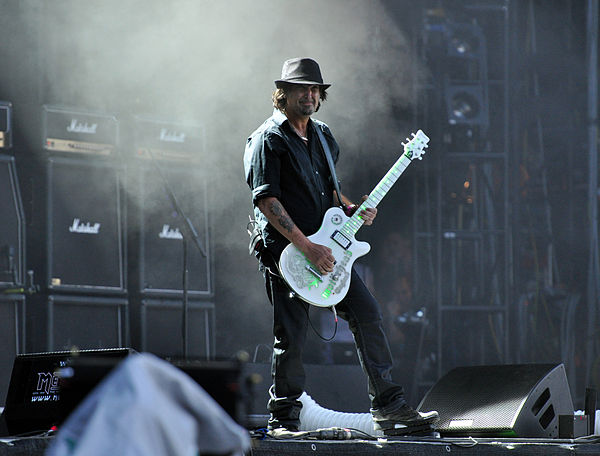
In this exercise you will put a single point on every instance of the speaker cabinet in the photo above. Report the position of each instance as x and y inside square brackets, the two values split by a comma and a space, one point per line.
[86, 322]
[160, 246]
[12, 336]
[12, 226]
[85, 246]
[162, 328]
[521, 400]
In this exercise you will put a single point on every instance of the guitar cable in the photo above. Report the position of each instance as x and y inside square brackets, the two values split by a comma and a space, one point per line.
[319, 335]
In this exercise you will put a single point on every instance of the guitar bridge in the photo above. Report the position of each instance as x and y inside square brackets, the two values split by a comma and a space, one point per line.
[314, 272]
[342, 240]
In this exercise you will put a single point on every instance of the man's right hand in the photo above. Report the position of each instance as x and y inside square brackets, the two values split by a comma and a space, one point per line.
[320, 256]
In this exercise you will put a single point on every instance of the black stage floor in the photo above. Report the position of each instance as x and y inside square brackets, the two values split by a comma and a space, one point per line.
[415, 446]
[425, 447]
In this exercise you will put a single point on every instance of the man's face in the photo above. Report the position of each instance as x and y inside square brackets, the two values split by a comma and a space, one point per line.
[303, 99]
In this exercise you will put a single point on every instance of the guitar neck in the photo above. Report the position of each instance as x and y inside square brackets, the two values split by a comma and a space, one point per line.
[354, 223]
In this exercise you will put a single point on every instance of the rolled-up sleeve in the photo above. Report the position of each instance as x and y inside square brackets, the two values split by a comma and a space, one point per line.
[263, 165]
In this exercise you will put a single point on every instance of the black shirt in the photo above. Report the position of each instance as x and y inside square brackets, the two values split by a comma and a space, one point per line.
[278, 163]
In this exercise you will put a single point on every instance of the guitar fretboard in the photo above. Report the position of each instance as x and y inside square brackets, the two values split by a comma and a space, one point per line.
[354, 223]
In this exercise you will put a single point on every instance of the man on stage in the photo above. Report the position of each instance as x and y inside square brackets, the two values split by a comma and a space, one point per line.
[292, 188]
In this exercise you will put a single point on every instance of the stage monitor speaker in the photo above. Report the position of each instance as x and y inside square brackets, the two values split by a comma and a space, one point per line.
[12, 336]
[162, 323]
[85, 322]
[522, 400]
[85, 250]
[12, 226]
[34, 401]
[161, 232]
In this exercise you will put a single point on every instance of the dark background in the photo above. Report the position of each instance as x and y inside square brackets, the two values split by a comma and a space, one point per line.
[518, 200]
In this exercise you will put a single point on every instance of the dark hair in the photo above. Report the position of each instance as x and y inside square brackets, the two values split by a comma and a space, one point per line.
[279, 96]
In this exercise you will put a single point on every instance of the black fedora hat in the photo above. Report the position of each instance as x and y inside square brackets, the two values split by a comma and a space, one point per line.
[301, 71]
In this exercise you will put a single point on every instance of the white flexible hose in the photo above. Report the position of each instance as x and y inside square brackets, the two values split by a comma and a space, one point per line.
[313, 416]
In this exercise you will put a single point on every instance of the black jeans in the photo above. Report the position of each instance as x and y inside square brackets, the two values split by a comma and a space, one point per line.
[290, 323]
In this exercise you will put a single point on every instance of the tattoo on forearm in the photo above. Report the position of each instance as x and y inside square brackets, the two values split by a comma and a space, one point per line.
[284, 220]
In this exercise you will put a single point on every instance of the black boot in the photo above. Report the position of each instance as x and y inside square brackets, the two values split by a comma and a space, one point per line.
[399, 418]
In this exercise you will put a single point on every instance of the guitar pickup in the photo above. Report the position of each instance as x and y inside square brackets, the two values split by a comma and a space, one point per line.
[342, 240]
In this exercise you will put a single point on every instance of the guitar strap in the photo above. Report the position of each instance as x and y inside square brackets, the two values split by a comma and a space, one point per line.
[327, 153]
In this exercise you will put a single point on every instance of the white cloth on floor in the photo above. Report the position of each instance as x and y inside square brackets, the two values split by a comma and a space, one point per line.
[148, 407]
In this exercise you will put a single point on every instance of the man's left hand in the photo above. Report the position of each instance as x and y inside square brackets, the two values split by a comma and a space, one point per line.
[369, 213]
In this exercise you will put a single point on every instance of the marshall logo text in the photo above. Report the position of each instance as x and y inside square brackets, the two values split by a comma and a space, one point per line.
[84, 228]
[82, 127]
[170, 233]
[171, 136]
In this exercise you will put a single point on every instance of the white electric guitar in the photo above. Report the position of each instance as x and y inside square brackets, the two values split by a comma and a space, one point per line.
[337, 232]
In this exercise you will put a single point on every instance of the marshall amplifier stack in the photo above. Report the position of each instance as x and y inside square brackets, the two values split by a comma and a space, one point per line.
[85, 249]
[164, 174]
[12, 254]
[168, 166]
[79, 228]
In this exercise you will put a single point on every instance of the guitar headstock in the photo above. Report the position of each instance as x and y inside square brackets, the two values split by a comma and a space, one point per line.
[414, 148]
